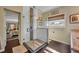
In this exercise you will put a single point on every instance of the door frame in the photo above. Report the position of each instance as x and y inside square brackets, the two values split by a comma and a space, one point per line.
[19, 21]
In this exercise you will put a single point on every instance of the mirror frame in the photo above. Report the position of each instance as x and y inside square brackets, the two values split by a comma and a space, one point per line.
[73, 19]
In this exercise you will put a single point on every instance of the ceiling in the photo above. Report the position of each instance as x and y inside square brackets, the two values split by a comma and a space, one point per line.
[46, 8]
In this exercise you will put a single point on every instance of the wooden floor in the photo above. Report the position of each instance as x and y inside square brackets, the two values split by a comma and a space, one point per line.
[10, 45]
[60, 47]
[63, 48]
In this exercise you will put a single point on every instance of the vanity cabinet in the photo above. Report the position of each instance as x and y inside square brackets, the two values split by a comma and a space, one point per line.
[75, 40]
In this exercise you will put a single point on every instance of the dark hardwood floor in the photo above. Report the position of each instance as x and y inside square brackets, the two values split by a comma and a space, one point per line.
[63, 48]
[10, 44]
[60, 47]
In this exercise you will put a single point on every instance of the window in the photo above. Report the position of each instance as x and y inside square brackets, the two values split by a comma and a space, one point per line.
[56, 22]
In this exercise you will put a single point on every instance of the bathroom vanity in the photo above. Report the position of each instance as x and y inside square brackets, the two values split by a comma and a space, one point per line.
[75, 40]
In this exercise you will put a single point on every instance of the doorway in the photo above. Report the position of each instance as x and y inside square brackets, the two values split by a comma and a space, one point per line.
[12, 29]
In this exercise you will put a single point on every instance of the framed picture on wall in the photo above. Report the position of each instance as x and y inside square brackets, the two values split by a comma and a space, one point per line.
[74, 18]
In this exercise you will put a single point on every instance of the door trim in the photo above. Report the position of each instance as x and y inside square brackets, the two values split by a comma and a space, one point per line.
[19, 21]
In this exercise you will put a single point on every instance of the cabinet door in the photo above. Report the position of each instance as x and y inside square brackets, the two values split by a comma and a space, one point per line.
[76, 44]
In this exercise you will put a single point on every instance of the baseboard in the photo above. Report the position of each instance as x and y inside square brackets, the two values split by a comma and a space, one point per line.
[2, 50]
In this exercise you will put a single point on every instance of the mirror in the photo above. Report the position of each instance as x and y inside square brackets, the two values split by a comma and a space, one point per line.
[74, 18]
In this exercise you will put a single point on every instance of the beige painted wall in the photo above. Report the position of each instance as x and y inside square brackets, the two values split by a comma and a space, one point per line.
[3, 23]
[63, 34]
[59, 35]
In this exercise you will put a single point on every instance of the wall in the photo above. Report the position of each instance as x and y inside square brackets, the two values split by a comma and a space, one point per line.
[67, 10]
[2, 29]
[26, 23]
[59, 35]
[3, 24]
[42, 34]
